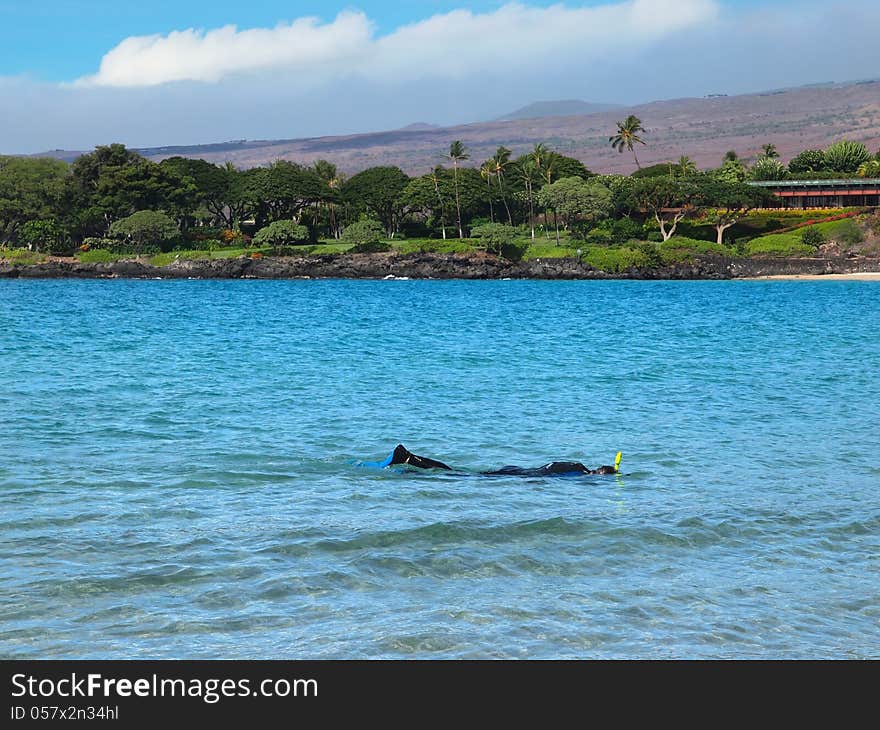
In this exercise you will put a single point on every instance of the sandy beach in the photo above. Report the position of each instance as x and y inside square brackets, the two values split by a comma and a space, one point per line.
[861, 276]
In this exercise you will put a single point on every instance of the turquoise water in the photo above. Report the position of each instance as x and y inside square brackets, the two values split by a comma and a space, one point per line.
[177, 480]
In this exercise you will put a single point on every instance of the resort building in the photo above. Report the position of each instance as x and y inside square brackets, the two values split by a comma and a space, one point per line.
[824, 193]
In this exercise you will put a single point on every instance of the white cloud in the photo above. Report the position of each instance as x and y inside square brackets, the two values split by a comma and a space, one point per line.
[449, 69]
[193, 55]
[451, 45]
[461, 43]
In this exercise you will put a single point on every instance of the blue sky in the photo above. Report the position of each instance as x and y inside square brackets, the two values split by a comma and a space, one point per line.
[163, 72]
[59, 40]
[63, 39]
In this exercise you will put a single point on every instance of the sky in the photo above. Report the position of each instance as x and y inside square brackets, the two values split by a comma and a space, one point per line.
[76, 73]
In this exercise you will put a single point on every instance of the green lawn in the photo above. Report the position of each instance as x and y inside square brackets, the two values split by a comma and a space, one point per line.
[21, 256]
[789, 244]
[545, 250]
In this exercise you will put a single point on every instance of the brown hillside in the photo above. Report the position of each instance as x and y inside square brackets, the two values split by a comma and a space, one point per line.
[704, 129]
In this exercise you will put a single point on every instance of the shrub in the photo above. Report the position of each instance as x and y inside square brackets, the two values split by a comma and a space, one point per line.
[813, 237]
[600, 236]
[651, 252]
[366, 236]
[626, 229]
[371, 247]
[695, 246]
[106, 244]
[282, 233]
[779, 244]
[20, 256]
[98, 256]
[615, 260]
[848, 232]
[846, 156]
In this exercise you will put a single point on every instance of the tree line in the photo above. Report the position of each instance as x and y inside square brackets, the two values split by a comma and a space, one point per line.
[115, 197]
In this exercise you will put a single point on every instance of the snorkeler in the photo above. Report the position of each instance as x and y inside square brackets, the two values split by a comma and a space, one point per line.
[402, 456]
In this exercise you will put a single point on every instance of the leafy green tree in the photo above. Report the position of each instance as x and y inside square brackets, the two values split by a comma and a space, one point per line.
[730, 156]
[576, 199]
[279, 234]
[376, 192]
[113, 182]
[42, 235]
[769, 151]
[807, 161]
[494, 235]
[457, 154]
[627, 136]
[145, 227]
[724, 204]
[281, 191]
[620, 186]
[366, 235]
[668, 200]
[31, 189]
[331, 181]
[768, 168]
[570, 167]
[731, 171]
[499, 239]
[433, 195]
[846, 156]
[424, 197]
[215, 187]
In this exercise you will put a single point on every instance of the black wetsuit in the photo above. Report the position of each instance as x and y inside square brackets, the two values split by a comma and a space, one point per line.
[402, 455]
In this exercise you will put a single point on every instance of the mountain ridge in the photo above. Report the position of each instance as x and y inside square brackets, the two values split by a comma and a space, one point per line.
[559, 108]
[703, 128]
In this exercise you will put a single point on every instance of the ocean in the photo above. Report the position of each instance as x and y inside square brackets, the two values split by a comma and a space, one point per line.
[180, 477]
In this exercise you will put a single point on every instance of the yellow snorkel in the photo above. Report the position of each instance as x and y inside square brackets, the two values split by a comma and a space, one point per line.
[617, 462]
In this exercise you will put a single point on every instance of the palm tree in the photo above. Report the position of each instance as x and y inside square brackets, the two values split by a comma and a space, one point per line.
[769, 151]
[457, 153]
[528, 172]
[871, 168]
[545, 161]
[628, 135]
[539, 153]
[435, 178]
[329, 175]
[500, 162]
[487, 171]
[685, 166]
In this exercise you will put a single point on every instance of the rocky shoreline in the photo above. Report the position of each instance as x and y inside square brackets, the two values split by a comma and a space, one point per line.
[429, 266]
